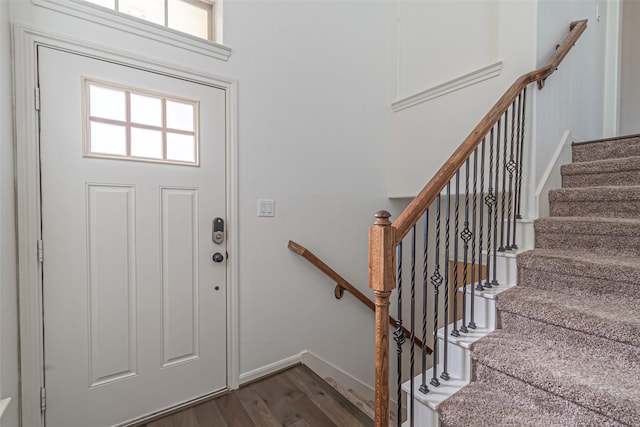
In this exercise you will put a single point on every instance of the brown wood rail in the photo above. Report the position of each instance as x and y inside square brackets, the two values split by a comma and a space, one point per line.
[343, 285]
[425, 198]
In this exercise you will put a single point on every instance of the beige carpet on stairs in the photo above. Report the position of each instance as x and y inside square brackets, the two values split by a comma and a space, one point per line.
[567, 351]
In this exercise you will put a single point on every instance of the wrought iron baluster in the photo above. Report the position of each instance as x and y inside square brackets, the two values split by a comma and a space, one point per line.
[504, 185]
[423, 386]
[490, 200]
[399, 335]
[494, 258]
[520, 169]
[456, 231]
[465, 235]
[445, 342]
[517, 169]
[511, 167]
[472, 323]
[479, 286]
[436, 280]
[412, 322]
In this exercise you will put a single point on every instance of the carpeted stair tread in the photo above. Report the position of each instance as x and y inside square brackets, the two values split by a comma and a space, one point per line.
[612, 148]
[599, 173]
[606, 317]
[598, 374]
[612, 236]
[586, 264]
[610, 201]
[501, 400]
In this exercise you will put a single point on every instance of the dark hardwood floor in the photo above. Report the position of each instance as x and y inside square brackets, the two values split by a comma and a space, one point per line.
[296, 397]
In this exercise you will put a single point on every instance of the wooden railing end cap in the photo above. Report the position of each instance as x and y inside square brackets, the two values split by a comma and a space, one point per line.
[299, 249]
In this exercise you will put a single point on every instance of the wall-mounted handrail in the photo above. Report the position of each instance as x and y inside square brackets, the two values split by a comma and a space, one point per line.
[342, 284]
[427, 195]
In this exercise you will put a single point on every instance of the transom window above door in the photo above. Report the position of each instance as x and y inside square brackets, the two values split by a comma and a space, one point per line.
[134, 124]
[194, 17]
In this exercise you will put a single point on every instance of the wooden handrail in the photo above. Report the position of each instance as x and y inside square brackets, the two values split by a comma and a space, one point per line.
[427, 195]
[343, 285]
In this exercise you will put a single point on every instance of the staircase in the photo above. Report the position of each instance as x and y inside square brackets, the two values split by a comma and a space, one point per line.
[567, 348]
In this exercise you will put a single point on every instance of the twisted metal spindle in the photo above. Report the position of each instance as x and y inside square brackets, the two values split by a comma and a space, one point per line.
[445, 342]
[494, 258]
[436, 280]
[456, 231]
[517, 168]
[423, 385]
[479, 286]
[518, 200]
[412, 322]
[399, 335]
[472, 323]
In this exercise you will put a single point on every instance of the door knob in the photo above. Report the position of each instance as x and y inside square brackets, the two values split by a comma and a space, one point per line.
[218, 257]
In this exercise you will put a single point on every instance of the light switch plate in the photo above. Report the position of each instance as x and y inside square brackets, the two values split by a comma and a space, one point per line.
[266, 208]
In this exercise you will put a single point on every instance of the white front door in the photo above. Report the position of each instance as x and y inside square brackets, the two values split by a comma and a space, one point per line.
[134, 306]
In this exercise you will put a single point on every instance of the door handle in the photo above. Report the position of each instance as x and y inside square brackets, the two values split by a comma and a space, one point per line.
[218, 257]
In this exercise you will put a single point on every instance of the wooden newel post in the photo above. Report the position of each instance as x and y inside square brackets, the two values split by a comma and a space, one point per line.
[382, 281]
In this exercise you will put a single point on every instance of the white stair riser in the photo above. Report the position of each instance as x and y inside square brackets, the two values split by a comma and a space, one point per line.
[423, 415]
[484, 311]
[459, 362]
[506, 271]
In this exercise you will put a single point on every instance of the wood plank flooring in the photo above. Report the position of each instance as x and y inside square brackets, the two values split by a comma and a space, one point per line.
[297, 397]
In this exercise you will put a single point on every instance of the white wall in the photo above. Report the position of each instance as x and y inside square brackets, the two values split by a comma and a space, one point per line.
[436, 42]
[313, 89]
[8, 299]
[573, 98]
[630, 69]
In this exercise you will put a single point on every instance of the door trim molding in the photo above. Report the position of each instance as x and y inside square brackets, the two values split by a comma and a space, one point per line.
[25, 43]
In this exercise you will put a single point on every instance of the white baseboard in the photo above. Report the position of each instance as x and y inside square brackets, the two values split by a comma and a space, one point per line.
[327, 369]
[4, 403]
[271, 368]
[318, 365]
[551, 178]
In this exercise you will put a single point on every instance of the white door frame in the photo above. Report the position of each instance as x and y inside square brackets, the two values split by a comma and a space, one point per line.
[25, 42]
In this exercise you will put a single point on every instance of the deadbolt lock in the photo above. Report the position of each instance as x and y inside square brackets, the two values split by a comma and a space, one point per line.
[218, 231]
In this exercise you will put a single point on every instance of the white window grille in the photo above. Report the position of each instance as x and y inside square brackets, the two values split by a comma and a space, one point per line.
[134, 124]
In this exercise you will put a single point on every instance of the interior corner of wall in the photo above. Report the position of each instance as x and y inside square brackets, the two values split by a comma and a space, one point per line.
[551, 178]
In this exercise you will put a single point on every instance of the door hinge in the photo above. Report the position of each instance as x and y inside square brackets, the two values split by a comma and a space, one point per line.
[37, 98]
[40, 251]
[43, 399]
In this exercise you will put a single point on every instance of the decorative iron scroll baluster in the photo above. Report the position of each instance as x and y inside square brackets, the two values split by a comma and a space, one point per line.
[504, 186]
[479, 286]
[399, 335]
[425, 258]
[511, 167]
[445, 342]
[456, 231]
[436, 280]
[465, 235]
[490, 200]
[472, 323]
[518, 166]
[494, 258]
[412, 321]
